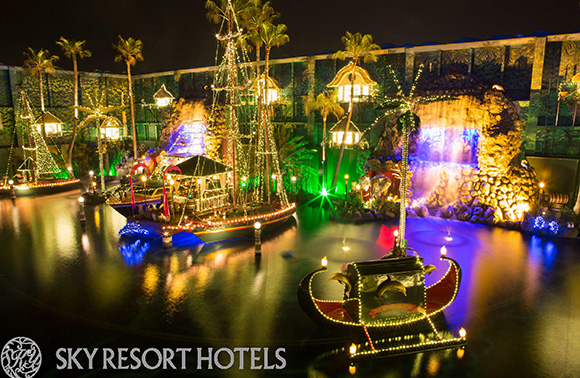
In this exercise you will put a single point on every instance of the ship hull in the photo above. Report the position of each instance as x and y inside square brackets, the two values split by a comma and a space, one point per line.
[42, 188]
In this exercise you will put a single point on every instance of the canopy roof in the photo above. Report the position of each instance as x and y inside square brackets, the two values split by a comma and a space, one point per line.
[162, 93]
[47, 117]
[202, 166]
[340, 126]
[361, 77]
[272, 83]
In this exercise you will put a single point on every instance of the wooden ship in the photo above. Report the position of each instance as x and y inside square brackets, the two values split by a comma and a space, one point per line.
[215, 198]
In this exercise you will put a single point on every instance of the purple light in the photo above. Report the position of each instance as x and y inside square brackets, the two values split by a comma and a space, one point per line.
[188, 139]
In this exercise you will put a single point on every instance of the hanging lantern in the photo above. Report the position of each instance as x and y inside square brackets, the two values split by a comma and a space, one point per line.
[110, 130]
[163, 97]
[273, 88]
[52, 125]
[364, 86]
[337, 132]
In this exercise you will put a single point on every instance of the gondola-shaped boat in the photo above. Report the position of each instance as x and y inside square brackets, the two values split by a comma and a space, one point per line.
[387, 298]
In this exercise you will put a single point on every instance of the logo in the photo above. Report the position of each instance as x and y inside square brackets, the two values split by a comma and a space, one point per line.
[21, 358]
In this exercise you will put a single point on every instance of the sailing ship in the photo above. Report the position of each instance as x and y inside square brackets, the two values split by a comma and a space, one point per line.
[38, 173]
[211, 197]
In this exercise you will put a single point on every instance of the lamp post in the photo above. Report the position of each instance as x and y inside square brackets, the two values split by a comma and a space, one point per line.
[275, 183]
[345, 186]
[144, 179]
[258, 237]
[12, 190]
[91, 175]
[81, 201]
[294, 184]
[542, 185]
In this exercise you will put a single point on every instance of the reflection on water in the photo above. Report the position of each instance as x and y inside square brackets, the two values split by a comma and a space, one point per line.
[518, 298]
[133, 253]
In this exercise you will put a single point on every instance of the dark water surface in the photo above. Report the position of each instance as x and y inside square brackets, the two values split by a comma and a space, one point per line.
[65, 286]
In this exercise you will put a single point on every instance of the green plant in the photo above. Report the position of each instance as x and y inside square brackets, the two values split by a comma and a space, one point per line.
[130, 51]
[359, 47]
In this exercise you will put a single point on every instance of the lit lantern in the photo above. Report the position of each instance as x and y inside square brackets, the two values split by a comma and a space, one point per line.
[337, 132]
[111, 130]
[52, 125]
[163, 97]
[364, 86]
[273, 88]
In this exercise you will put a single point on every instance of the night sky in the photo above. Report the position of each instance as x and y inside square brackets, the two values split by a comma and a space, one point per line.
[177, 35]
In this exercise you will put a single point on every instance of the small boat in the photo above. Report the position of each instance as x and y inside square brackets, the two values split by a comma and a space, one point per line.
[40, 188]
[38, 173]
[387, 298]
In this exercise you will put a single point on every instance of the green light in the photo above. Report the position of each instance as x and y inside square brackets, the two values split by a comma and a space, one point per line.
[324, 192]
[243, 185]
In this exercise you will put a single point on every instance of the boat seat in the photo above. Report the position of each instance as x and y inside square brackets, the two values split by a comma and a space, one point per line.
[344, 311]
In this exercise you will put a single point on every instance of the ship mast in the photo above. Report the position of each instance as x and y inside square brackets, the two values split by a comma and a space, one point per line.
[227, 80]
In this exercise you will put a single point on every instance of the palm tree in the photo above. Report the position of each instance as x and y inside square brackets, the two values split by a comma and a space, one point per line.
[254, 15]
[359, 47]
[408, 121]
[327, 106]
[98, 111]
[272, 35]
[35, 63]
[130, 51]
[73, 49]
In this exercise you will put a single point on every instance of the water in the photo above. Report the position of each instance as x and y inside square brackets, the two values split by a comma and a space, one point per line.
[65, 286]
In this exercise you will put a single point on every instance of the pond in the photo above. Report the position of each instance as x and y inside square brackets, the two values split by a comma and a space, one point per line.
[66, 285]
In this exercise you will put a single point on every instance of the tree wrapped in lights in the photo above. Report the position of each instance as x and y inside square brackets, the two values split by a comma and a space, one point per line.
[327, 106]
[98, 112]
[130, 51]
[359, 47]
[37, 62]
[74, 49]
[36, 151]
[408, 121]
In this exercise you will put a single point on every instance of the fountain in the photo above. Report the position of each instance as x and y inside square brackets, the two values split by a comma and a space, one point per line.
[466, 158]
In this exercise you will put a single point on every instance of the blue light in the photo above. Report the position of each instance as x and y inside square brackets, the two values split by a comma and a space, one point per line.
[449, 145]
[135, 229]
[553, 227]
[134, 253]
[539, 223]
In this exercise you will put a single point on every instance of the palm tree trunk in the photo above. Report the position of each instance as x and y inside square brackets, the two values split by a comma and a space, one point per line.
[403, 187]
[350, 109]
[42, 104]
[265, 119]
[324, 150]
[100, 148]
[76, 117]
[132, 111]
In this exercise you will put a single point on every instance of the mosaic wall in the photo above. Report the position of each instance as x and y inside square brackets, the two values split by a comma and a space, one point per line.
[550, 126]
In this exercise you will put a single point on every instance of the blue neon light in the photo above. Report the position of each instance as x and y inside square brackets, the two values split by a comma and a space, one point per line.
[135, 229]
[134, 253]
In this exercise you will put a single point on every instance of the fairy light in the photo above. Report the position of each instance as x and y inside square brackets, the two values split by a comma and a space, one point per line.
[451, 275]
[352, 349]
